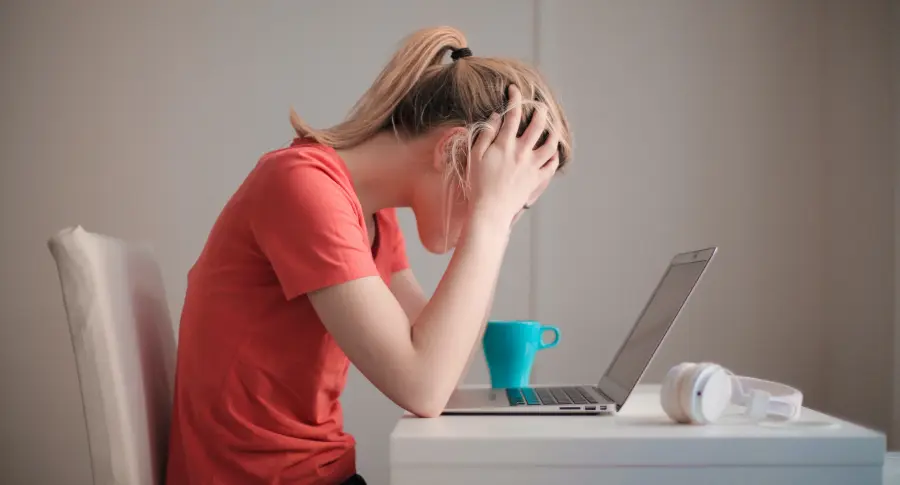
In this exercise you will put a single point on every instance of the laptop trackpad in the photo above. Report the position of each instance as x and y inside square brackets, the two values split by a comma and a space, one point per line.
[477, 398]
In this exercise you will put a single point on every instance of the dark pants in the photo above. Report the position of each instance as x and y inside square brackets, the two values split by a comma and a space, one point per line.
[355, 480]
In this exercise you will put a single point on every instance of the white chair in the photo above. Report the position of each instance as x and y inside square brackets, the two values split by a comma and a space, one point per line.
[124, 346]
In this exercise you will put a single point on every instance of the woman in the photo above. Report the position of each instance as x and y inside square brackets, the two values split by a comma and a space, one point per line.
[306, 266]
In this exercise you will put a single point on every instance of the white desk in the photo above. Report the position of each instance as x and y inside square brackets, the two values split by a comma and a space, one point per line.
[637, 446]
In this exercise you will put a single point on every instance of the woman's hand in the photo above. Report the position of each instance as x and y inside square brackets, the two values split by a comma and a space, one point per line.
[507, 171]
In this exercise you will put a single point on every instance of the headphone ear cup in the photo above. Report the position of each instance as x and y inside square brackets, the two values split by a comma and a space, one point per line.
[669, 394]
[687, 398]
[712, 395]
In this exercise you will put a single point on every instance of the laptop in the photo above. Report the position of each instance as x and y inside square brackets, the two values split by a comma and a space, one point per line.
[627, 367]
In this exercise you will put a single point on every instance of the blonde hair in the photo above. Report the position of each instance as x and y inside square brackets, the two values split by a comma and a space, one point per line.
[418, 91]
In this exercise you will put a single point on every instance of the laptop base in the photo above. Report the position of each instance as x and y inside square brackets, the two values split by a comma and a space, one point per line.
[556, 400]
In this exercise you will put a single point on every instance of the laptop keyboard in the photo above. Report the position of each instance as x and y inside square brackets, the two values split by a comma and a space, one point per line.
[528, 396]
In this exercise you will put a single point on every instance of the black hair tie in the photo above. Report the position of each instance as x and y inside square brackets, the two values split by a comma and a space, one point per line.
[458, 54]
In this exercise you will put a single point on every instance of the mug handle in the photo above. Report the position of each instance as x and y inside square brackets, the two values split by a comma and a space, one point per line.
[548, 328]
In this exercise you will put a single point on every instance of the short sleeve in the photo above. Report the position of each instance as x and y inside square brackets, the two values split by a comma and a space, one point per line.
[309, 228]
[399, 260]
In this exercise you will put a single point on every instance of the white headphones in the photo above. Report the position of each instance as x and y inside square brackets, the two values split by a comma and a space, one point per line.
[700, 393]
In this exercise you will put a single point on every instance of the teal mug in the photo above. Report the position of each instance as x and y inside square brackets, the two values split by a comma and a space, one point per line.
[510, 347]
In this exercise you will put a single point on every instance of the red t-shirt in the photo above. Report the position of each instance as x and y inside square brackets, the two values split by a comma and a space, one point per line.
[258, 376]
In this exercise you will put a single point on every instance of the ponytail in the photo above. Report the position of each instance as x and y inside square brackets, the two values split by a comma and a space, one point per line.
[420, 55]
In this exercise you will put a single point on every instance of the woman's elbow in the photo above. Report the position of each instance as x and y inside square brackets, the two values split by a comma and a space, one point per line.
[426, 410]
[425, 404]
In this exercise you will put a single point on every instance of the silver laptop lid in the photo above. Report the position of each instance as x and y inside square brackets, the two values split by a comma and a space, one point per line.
[660, 312]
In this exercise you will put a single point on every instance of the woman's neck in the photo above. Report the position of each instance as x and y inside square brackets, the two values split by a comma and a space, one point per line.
[383, 170]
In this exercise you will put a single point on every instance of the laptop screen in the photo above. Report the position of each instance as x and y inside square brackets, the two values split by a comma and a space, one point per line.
[647, 334]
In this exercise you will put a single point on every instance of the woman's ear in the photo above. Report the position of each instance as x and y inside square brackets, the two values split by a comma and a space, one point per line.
[450, 141]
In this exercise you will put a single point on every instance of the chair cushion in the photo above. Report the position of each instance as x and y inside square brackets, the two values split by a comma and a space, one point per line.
[124, 347]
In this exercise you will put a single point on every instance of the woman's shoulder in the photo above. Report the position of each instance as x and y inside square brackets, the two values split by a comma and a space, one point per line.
[307, 180]
[305, 154]
[304, 164]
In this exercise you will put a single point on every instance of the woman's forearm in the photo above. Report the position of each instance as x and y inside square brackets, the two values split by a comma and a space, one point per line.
[450, 324]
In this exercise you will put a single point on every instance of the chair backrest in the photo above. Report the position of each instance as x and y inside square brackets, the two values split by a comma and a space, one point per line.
[124, 346]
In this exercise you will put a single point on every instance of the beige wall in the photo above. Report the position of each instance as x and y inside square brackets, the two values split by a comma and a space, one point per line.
[703, 131]
[762, 127]
[697, 122]
[858, 149]
[895, 434]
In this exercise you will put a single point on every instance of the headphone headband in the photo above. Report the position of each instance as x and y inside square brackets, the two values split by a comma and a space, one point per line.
[767, 397]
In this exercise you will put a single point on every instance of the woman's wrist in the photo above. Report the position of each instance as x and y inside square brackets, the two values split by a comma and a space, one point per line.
[485, 222]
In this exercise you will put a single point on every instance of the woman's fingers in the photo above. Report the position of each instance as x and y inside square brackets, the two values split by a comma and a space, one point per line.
[539, 191]
[512, 117]
[548, 149]
[549, 170]
[536, 127]
[486, 136]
